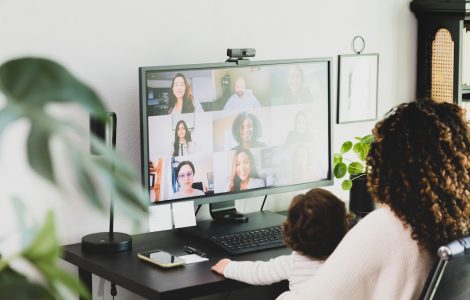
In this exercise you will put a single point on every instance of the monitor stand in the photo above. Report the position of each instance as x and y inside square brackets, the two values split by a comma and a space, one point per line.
[226, 212]
[221, 225]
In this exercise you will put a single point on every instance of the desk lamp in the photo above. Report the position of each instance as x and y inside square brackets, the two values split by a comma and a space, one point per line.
[104, 242]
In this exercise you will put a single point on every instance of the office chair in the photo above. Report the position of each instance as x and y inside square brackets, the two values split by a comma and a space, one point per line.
[450, 277]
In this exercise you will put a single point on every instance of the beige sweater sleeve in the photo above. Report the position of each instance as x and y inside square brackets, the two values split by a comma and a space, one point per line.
[377, 259]
[260, 272]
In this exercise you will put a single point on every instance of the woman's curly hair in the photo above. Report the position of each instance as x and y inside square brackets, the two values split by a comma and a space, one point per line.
[419, 166]
[316, 223]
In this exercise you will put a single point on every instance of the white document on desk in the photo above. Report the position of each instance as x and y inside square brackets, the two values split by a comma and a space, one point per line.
[193, 258]
[183, 214]
[160, 217]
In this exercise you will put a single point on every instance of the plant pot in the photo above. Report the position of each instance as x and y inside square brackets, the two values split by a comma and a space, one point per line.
[360, 200]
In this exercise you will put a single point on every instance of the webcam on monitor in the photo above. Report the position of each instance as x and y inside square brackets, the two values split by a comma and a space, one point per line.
[238, 55]
[241, 52]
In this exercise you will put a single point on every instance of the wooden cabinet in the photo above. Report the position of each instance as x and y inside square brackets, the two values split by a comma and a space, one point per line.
[441, 29]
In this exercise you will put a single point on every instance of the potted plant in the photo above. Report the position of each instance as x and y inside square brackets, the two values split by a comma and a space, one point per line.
[29, 86]
[360, 201]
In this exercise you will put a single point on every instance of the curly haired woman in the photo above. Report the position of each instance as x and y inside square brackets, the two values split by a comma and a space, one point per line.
[419, 172]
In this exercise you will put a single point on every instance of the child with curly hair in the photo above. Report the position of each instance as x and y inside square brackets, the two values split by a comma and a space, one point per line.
[316, 223]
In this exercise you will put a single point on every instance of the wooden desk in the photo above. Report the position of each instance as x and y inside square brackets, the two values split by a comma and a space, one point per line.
[150, 281]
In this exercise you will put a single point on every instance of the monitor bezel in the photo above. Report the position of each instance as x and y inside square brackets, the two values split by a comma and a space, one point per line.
[242, 194]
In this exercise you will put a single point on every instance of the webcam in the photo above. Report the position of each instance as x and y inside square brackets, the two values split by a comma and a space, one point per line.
[241, 52]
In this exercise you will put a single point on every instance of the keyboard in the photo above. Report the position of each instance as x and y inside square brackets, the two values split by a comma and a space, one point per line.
[250, 241]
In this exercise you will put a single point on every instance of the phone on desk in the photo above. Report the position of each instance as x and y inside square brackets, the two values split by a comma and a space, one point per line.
[161, 258]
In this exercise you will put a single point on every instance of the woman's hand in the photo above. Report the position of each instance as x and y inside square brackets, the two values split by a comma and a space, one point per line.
[220, 266]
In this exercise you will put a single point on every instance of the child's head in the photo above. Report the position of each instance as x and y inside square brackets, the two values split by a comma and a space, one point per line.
[316, 223]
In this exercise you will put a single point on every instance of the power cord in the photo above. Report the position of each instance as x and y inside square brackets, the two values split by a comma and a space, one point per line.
[197, 209]
[264, 201]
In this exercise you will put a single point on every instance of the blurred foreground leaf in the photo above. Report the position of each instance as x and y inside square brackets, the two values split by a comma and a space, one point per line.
[30, 85]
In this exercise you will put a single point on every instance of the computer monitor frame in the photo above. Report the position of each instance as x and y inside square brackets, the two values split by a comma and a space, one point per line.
[220, 197]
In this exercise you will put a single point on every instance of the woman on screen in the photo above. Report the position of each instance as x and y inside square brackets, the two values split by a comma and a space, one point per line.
[296, 92]
[183, 145]
[301, 132]
[246, 131]
[185, 177]
[244, 175]
[181, 96]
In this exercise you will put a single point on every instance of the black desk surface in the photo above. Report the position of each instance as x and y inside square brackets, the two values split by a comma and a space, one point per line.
[145, 279]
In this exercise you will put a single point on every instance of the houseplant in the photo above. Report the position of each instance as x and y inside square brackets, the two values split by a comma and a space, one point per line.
[30, 86]
[360, 201]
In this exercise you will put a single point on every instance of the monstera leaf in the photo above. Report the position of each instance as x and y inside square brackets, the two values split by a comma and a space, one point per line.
[29, 86]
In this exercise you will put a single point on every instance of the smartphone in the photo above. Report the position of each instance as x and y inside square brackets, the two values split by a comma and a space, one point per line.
[161, 258]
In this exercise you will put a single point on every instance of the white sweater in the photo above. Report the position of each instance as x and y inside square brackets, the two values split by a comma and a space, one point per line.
[377, 259]
[294, 267]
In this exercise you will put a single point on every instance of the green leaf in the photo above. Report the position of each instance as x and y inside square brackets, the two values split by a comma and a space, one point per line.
[337, 158]
[22, 290]
[72, 283]
[36, 82]
[45, 246]
[355, 168]
[8, 276]
[27, 229]
[112, 158]
[346, 185]
[87, 185]
[39, 155]
[368, 139]
[340, 170]
[346, 147]
[7, 116]
[361, 151]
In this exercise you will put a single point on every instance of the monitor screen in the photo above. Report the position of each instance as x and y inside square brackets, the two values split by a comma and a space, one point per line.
[219, 132]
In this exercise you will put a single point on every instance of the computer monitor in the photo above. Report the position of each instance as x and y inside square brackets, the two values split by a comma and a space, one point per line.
[213, 133]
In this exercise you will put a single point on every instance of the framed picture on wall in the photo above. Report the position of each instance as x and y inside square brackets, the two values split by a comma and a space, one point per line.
[357, 87]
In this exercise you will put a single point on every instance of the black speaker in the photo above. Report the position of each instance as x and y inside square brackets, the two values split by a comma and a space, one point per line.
[97, 128]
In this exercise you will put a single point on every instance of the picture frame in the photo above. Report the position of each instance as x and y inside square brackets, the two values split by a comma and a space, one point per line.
[358, 78]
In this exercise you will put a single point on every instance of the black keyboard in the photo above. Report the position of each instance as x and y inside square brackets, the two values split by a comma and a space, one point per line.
[250, 241]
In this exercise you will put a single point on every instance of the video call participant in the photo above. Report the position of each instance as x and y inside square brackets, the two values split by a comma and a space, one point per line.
[419, 173]
[244, 174]
[181, 96]
[243, 98]
[301, 133]
[246, 130]
[183, 145]
[185, 176]
[296, 92]
[156, 169]
[316, 223]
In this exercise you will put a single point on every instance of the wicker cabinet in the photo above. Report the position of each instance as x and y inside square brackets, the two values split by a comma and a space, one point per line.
[441, 28]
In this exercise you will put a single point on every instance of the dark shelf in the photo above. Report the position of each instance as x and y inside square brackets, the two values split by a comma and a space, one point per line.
[454, 8]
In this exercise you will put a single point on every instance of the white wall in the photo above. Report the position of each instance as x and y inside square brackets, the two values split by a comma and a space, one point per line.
[104, 42]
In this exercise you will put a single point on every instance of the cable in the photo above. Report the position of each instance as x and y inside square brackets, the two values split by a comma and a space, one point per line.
[264, 201]
[197, 209]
